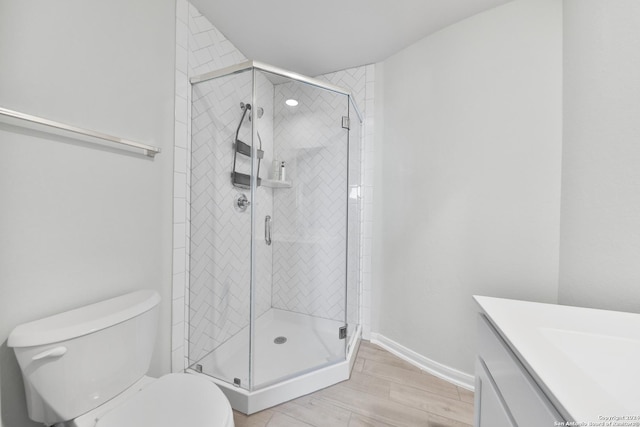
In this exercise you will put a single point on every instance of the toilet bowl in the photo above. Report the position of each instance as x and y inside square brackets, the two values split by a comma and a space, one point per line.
[86, 368]
[170, 401]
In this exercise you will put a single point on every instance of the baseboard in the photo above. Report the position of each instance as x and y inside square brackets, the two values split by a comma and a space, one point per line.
[439, 370]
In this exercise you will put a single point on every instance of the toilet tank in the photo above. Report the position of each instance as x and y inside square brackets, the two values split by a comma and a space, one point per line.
[75, 361]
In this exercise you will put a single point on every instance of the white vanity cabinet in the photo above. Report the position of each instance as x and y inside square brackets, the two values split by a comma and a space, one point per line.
[554, 365]
[506, 394]
[490, 406]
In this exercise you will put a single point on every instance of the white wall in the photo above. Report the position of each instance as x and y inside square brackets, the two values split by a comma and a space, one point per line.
[468, 176]
[600, 230]
[79, 222]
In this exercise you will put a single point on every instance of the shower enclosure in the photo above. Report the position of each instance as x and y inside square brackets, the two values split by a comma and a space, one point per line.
[275, 233]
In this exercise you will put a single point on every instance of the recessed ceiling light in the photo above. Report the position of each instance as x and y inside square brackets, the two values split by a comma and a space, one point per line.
[291, 102]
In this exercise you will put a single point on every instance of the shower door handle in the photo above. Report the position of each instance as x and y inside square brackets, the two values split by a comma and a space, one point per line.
[267, 230]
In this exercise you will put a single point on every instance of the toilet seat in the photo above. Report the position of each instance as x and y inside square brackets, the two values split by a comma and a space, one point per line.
[173, 400]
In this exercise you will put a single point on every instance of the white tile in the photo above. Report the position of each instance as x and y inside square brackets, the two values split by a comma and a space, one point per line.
[179, 210]
[370, 72]
[192, 64]
[178, 260]
[181, 135]
[180, 161]
[177, 360]
[182, 109]
[177, 336]
[182, 84]
[203, 24]
[182, 11]
[201, 41]
[179, 237]
[182, 61]
[193, 11]
[178, 285]
[238, 57]
[182, 34]
[226, 54]
[201, 56]
[179, 186]
[178, 314]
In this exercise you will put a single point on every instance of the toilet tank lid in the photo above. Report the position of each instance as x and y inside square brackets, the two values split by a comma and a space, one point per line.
[84, 320]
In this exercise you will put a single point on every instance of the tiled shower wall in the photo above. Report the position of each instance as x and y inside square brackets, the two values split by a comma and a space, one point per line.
[219, 276]
[359, 81]
[200, 47]
[311, 217]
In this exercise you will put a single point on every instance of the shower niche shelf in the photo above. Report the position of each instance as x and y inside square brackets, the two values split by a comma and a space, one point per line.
[274, 183]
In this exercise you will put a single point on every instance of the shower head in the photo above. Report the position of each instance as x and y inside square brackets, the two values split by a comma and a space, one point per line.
[244, 106]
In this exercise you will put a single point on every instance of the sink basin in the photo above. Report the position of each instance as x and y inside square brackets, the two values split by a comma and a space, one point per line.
[612, 362]
[587, 361]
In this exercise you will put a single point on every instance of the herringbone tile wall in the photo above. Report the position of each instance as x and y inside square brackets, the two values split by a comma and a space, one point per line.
[304, 270]
[355, 80]
[200, 47]
[354, 221]
[263, 203]
[220, 236]
[220, 267]
[311, 218]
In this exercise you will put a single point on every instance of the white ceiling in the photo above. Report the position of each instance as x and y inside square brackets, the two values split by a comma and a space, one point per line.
[316, 37]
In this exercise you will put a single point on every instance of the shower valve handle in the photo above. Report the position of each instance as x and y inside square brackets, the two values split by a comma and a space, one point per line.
[242, 203]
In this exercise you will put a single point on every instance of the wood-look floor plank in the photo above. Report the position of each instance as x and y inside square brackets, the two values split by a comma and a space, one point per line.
[362, 421]
[466, 395]
[281, 420]
[420, 380]
[375, 407]
[433, 403]
[388, 392]
[358, 364]
[438, 421]
[368, 384]
[316, 412]
[259, 419]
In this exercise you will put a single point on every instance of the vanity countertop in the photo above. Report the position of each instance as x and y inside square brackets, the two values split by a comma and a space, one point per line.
[586, 360]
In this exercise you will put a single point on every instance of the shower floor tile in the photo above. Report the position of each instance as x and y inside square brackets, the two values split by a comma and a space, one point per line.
[310, 343]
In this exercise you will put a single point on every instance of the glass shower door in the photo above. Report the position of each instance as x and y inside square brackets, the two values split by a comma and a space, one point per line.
[300, 229]
[355, 219]
[220, 221]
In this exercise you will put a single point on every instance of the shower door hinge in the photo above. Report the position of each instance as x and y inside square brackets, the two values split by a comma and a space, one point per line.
[342, 332]
[237, 382]
[345, 122]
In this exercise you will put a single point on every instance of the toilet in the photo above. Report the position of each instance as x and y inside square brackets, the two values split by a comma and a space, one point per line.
[86, 368]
